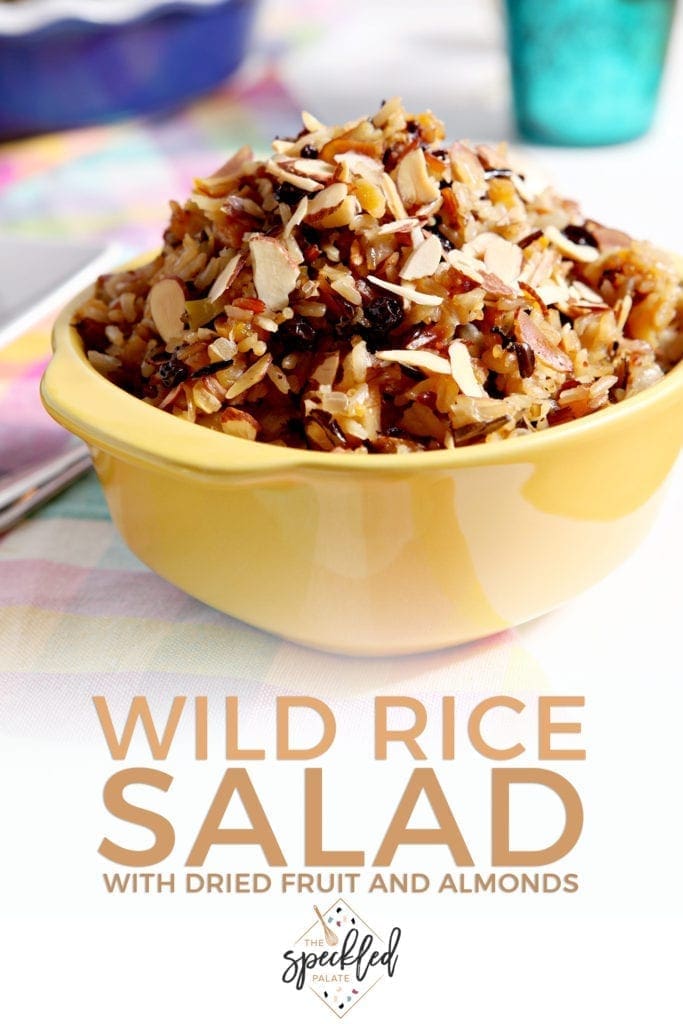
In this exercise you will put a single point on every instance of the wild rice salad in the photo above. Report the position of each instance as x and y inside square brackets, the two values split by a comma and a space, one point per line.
[369, 288]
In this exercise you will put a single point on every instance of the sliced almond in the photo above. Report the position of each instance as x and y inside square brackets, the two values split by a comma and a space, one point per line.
[467, 265]
[341, 216]
[408, 293]
[395, 227]
[466, 167]
[413, 180]
[282, 174]
[608, 238]
[424, 260]
[297, 217]
[420, 359]
[239, 423]
[527, 331]
[231, 166]
[275, 272]
[318, 169]
[311, 123]
[167, 308]
[578, 253]
[328, 199]
[394, 201]
[225, 278]
[462, 371]
[504, 259]
[362, 165]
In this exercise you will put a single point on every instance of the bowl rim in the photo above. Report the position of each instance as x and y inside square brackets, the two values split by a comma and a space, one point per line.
[31, 16]
[109, 418]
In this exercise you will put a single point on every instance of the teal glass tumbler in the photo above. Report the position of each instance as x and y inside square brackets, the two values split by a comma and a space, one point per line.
[586, 72]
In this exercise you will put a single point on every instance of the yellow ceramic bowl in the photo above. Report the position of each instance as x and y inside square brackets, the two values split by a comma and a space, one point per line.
[384, 554]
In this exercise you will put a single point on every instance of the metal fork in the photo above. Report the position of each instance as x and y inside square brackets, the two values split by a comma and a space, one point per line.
[22, 492]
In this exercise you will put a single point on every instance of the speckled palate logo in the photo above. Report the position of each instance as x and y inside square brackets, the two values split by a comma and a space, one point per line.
[339, 958]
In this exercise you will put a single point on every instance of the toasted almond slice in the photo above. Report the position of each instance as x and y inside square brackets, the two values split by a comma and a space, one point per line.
[250, 377]
[408, 293]
[167, 308]
[424, 260]
[578, 253]
[420, 359]
[608, 238]
[297, 217]
[413, 180]
[394, 201]
[362, 165]
[467, 265]
[341, 216]
[282, 174]
[225, 278]
[318, 169]
[395, 227]
[330, 197]
[467, 167]
[552, 292]
[527, 331]
[311, 123]
[275, 272]
[239, 423]
[503, 258]
[231, 166]
[462, 370]
[581, 294]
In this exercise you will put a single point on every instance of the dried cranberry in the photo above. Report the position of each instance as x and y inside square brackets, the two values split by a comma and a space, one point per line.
[579, 235]
[287, 193]
[384, 313]
[309, 152]
[172, 372]
[297, 334]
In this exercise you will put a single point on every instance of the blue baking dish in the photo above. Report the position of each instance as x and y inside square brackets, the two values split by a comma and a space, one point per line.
[65, 63]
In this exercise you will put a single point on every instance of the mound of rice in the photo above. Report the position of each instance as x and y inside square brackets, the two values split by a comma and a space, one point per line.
[371, 289]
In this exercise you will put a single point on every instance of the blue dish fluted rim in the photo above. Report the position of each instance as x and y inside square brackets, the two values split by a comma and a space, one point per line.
[33, 16]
